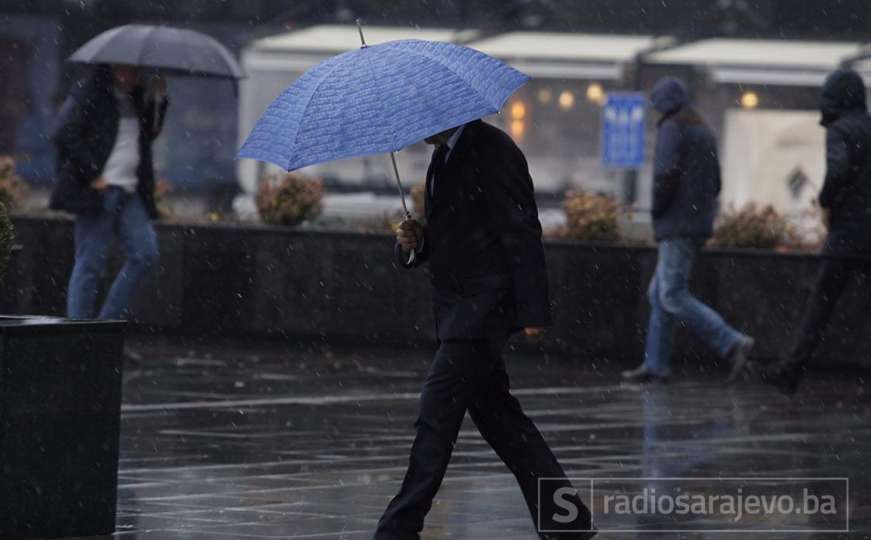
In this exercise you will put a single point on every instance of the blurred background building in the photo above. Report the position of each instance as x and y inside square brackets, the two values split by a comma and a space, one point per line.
[754, 67]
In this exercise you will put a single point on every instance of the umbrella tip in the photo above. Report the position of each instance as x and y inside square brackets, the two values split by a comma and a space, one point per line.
[360, 29]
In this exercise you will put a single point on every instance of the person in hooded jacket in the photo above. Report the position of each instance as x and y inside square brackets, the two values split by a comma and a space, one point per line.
[846, 202]
[686, 183]
[103, 136]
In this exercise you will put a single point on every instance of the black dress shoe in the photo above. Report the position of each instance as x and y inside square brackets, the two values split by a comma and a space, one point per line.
[782, 375]
[642, 375]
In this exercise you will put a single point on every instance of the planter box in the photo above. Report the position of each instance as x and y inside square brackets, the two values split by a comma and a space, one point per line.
[60, 401]
[261, 281]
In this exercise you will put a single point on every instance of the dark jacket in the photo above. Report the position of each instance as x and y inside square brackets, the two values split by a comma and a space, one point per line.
[686, 170]
[846, 192]
[483, 239]
[85, 135]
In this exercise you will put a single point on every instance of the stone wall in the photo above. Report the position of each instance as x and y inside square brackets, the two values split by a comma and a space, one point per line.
[232, 280]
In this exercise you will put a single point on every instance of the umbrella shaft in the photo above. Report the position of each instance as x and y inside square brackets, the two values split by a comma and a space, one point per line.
[399, 184]
[413, 255]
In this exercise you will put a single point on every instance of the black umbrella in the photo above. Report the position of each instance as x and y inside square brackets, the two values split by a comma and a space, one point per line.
[174, 50]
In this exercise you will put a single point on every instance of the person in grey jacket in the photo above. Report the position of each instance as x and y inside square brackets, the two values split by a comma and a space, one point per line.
[686, 183]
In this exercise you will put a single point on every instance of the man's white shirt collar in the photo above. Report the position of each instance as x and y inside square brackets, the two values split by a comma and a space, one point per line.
[452, 141]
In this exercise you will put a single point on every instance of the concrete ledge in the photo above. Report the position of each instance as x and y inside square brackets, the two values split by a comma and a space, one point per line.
[258, 280]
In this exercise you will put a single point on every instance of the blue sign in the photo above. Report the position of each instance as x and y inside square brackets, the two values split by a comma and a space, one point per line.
[623, 128]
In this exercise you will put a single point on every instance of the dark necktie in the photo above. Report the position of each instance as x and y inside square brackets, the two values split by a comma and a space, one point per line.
[438, 165]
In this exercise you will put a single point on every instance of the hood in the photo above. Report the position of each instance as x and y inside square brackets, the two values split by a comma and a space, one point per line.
[669, 95]
[842, 93]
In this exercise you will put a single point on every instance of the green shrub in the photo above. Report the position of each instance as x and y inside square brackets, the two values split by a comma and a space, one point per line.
[289, 199]
[591, 217]
[752, 227]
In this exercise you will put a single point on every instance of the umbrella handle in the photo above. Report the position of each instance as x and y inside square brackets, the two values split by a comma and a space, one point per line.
[151, 94]
[413, 254]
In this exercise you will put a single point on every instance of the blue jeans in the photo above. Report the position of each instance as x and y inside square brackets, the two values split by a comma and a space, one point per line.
[123, 213]
[671, 302]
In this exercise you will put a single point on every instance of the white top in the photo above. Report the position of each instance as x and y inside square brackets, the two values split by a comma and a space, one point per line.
[120, 169]
[452, 141]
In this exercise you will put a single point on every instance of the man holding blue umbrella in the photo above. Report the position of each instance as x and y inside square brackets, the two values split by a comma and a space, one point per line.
[482, 242]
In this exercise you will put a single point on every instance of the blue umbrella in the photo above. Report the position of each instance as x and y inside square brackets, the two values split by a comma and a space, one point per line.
[379, 99]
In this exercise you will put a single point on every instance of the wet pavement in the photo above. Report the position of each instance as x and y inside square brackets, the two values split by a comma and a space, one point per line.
[232, 440]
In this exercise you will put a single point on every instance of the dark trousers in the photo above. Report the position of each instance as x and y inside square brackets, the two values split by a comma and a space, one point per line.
[467, 375]
[834, 275]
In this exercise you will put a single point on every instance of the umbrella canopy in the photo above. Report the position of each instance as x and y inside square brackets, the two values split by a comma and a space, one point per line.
[177, 50]
[379, 99]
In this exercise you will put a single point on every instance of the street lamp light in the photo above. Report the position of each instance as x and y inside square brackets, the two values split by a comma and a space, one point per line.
[518, 128]
[749, 100]
[596, 94]
[566, 99]
[518, 110]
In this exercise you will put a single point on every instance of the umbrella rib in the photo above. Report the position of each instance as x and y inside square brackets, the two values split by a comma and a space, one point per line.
[310, 97]
[116, 33]
[229, 59]
[438, 61]
[184, 38]
[111, 35]
[151, 32]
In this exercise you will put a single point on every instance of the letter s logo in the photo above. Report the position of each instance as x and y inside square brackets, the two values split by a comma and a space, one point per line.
[561, 499]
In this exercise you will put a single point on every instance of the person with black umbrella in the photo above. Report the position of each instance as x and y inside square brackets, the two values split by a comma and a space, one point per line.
[104, 135]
